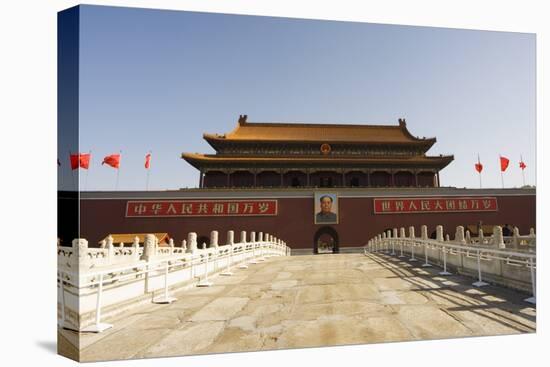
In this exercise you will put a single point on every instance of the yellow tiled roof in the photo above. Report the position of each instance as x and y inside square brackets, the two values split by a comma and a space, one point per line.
[319, 132]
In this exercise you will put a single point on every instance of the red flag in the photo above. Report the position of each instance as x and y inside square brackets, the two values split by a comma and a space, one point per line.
[504, 162]
[112, 160]
[479, 167]
[522, 165]
[80, 160]
[148, 161]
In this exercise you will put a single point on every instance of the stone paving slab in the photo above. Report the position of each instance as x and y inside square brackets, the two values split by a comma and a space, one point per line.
[311, 301]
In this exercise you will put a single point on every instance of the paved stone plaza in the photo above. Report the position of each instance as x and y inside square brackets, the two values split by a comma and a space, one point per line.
[311, 301]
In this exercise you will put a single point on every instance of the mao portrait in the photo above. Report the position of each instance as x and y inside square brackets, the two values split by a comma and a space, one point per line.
[326, 208]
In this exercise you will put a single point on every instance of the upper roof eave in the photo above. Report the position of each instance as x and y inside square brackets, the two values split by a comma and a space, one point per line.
[214, 140]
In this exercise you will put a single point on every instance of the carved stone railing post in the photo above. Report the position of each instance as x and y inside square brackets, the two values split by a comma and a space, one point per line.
[260, 236]
[149, 247]
[214, 239]
[243, 237]
[110, 250]
[252, 236]
[184, 245]
[480, 237]
[532, 232]
[468, 237]
[411, 232]
[498, 237]
[515, 237]
[447, 238]
[192, 242]
[439, 233]
[135, 249]
[402, 233]
[459, 235]
[424, 232]
[230, 238]
[80, 254]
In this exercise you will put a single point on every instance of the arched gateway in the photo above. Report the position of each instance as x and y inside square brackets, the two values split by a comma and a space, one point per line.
[326, 241]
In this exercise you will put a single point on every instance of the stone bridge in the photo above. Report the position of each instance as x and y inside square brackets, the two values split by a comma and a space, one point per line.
[308, 301]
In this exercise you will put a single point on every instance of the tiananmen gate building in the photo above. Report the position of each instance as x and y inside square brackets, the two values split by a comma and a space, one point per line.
[319, 187]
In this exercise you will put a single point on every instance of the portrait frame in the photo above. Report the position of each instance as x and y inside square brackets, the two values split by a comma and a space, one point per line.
[334, 208]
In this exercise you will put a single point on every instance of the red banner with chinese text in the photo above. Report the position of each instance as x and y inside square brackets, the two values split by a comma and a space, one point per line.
[202, 208]
[435, 205]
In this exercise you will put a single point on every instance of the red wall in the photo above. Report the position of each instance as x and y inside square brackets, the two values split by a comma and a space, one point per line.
[294, 222]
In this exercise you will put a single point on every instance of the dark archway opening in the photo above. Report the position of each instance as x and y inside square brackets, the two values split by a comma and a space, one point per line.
[326, 241]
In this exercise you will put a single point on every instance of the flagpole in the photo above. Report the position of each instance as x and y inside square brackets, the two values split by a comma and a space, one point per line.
[501, 173]
[118, 171]
[72, 170]
[87, 171]
[59, 175]
[522, 169]
[479, 162]
[148, 170]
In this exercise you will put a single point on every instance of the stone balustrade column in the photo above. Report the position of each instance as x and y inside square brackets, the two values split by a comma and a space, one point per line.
[80, 253]
[184, 245]
[109, 241]
[149, 247]
[439, 233]
[515, 237]
[468, 236]
[411, 232]
[243, 237]
[214, 238]
[383, 235]
[459, 235]
[447, 238]
[260, 237]
[498, 237]
[532, 232]
[135, 249]
[110, 250]
[481, 237]
[192, 242]
[401, 232]
[230, 238]
[252, 236]
[171, 242]
[424, 232]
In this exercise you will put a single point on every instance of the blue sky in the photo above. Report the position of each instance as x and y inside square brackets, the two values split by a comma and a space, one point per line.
[157, 80]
